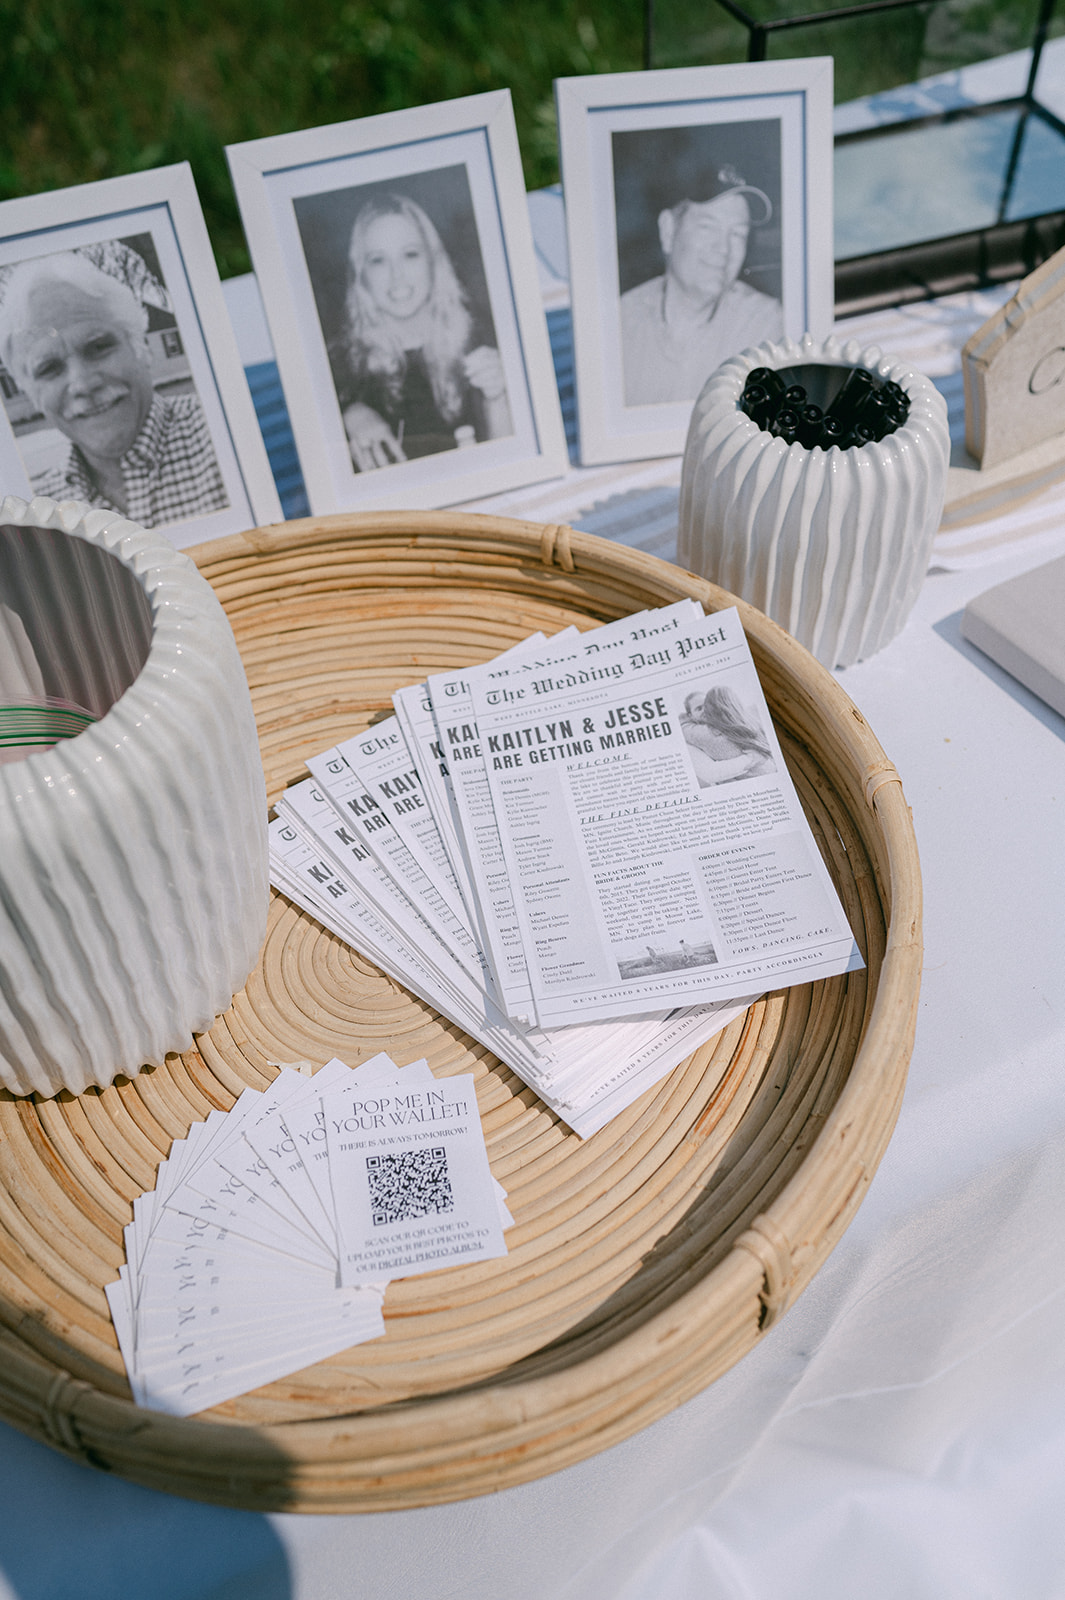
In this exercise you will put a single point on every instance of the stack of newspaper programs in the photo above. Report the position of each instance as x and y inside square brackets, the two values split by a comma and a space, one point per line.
[586, 852]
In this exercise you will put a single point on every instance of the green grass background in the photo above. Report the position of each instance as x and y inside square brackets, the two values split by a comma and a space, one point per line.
[104, 87]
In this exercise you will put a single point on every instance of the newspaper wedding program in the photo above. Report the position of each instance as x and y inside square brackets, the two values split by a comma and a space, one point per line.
[587, 852]
[657, 848]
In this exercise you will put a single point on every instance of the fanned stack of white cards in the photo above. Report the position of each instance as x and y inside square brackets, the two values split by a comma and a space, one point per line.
[586, 852]
[274, 1228]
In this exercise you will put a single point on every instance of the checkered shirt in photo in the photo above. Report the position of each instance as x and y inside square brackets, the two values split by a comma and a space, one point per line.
[170, 470]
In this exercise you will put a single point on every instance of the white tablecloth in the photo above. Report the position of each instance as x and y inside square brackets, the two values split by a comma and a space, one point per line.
[900, 1434]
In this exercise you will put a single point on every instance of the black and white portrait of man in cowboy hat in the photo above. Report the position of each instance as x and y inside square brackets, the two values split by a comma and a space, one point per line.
[680, 324]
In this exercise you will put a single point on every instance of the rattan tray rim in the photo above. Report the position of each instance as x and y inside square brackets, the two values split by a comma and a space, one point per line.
[440, 1447]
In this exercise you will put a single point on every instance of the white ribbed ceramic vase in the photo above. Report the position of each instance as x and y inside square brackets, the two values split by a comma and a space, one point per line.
[832, 544]
[133, 856]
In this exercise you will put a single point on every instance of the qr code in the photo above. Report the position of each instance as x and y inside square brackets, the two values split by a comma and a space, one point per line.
[410, 1183]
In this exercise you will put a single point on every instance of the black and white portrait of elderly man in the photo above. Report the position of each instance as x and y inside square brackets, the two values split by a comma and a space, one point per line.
[74, 337]
[678, 325]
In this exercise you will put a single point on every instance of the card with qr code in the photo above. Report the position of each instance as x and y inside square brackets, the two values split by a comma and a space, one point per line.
[411, 1182]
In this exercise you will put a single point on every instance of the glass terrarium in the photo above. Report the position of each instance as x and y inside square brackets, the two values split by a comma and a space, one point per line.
[949, 132]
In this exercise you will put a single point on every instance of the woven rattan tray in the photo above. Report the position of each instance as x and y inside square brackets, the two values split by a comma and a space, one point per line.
[645, 1260]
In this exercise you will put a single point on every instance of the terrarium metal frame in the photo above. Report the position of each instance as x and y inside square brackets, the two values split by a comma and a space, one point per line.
[973, 259]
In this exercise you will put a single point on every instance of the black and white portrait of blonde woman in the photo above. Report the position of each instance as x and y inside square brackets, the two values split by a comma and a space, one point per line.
[406, 318]
[98, 388]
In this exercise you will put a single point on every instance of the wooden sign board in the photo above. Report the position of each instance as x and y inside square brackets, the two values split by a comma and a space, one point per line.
[1014, 369]
[1014, 372]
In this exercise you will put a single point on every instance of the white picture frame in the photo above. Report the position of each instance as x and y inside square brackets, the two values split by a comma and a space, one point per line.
[643, 154]
[305, 199]
[201, 469]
